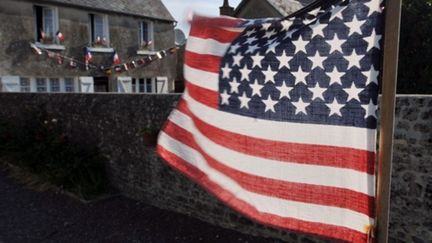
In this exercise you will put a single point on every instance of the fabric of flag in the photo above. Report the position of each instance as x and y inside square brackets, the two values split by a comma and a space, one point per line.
[60, 36]
[116, 58]
[278, 118]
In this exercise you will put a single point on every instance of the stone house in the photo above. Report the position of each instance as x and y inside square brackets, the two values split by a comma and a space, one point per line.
[253, 9]
[69, 30]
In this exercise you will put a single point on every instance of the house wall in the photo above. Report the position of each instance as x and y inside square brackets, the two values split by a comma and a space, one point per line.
[17, 29]
[115, 123]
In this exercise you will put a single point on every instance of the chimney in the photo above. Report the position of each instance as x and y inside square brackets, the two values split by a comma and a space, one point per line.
[226, 9]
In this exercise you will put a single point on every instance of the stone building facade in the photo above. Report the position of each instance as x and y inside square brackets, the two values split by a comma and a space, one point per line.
[132, 29]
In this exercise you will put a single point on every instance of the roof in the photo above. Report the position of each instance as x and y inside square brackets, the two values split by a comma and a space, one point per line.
[285, 7]
[145, 8]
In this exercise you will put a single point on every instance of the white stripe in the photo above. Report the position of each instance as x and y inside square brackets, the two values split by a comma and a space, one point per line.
[278, 170]
[315, 134]
[234, 29]
[276, 206]
[206, 46]
[203, 79]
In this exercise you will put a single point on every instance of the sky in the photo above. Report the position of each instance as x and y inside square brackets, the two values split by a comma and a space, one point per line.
[180, 9]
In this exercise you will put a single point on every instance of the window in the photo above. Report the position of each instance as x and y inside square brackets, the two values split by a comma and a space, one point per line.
[41, 85]
[25, 84]
[69, 85]
[99, 30]
[46, 24]
[142, 85]
[54, 85]
[146, 35]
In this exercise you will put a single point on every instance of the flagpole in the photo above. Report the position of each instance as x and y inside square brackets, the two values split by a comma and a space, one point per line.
[389, 77]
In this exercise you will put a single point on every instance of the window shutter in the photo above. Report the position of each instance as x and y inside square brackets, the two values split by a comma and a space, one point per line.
[124, 84]
[10, 84]
[86, 84]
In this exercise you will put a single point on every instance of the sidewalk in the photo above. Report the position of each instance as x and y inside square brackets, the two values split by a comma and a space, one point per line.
[29, 216]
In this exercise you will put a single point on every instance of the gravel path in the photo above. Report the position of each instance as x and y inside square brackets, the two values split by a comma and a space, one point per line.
[29, 216]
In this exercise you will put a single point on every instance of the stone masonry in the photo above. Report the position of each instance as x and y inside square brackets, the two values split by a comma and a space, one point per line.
[115, 123]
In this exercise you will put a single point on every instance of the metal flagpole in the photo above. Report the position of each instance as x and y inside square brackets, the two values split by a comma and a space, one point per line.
[389, 77]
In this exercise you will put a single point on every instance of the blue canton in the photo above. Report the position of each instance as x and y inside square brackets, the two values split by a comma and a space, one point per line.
[320, 70]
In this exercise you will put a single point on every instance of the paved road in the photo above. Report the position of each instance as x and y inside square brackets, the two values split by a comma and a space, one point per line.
[29, 216]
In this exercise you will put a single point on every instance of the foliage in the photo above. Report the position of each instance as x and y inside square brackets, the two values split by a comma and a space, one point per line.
[415, 62]
[41, 147]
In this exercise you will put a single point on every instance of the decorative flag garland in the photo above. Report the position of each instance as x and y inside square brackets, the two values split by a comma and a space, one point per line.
[117, 66]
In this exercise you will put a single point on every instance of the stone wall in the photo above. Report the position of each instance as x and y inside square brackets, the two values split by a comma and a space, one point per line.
[114, 123]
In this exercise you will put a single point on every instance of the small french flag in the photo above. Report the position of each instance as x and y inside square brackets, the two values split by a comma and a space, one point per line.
[116, 58]
[87, 57]
[60, 36]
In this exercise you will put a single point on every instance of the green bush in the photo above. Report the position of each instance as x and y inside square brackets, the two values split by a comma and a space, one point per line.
[41, 147]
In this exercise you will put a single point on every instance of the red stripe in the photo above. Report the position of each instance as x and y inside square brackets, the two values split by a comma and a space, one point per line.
[208, 63]
[215, 33]
[323, 195]
[356, 159]
[207, 97]
[324, 230]
[215, 21]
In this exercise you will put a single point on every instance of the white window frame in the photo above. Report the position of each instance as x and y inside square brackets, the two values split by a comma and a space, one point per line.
[150, 34]
[147, 81]
[25, 88]
[65, 86]
[38, 86]
[51, 86]
[55, 19]
[106, 33]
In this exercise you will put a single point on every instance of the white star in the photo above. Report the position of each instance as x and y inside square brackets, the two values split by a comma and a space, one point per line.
[226, 71]
[284, 90]
[269, 34]
[250, 32]
[355, 26]
[272, 47]
[374, 6]
[288, 35]
[372, 75]
[335, 77]
[269, 75]
[244, 73]
[300, 106]
[250, 40]
[317, 60]
[336, 13]
[244, 100]
[318, 29]
[286, 24]
[224, 98]
[353, 92]
[373, 41]
[317, 92]
[237, 58]
[283, 60]
[354, 60]
[233, 48]
[269, 104]
[256, 87]
[335, 108]
[266, 26]
[234, 86]
[370, 109]
[300, 44]
[300, 76]
[252, 49]
[257, 60]
[335, 44]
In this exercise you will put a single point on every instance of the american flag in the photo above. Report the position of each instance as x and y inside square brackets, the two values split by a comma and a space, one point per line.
[278, 119]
